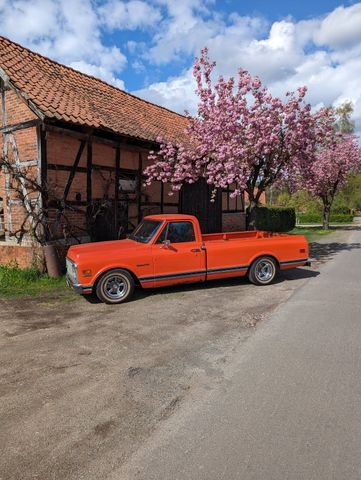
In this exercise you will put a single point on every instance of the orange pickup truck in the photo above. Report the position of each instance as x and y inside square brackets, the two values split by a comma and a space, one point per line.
[170, 249]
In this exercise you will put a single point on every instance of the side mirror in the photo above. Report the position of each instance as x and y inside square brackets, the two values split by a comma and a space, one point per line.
[165, 244]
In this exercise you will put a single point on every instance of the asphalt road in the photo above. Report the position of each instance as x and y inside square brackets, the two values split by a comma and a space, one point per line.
[290, 405]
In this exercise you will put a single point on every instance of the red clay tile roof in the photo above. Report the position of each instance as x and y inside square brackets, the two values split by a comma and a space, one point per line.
[65, 94]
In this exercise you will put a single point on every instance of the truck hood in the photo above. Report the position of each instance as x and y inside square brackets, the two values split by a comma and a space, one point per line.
[103, 249]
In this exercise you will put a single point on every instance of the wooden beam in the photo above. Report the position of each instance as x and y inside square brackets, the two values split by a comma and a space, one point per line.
[69, 168]
[161, 197]
[157, 204]
[242, 201]
[139, 186]
[89, 172]
[4, 154]
[118, 140]
[29, 163]
[43, 165]
[74, 168]
[66, 168]
[20, 126]
[3, 108]
[116, 189]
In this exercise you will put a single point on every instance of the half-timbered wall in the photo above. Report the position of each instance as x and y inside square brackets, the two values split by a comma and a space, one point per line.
[18, 143]
[82, 169]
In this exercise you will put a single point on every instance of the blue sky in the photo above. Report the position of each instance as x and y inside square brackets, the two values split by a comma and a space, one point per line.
[147, 46]
[277, 10]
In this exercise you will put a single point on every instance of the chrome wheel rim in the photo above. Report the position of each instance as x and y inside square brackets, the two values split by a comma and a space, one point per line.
[115, 287]
[264, 270]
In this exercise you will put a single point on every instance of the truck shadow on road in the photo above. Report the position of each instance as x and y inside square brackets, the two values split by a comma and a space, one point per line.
[325, 251]
[286, 275]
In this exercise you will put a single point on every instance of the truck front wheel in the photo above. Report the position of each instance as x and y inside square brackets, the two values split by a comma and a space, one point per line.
[115, 286]
[262, 271]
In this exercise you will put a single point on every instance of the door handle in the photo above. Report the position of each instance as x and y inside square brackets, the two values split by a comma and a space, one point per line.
[195, 250]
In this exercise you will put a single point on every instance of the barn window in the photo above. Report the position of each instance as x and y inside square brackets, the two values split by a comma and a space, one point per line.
[232, 205]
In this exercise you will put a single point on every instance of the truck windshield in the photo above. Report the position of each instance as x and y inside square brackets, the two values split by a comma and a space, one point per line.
[145, 231]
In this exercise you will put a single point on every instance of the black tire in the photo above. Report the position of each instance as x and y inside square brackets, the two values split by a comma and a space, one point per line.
[262, 271]
[115, 286]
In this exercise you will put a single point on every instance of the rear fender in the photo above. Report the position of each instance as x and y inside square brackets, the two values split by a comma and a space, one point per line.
[264, 254]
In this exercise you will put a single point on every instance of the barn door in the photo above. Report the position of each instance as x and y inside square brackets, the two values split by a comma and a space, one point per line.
[103, 226]
[195, 199]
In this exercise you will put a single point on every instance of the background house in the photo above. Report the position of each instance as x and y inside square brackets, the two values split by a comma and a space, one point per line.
[87, 143]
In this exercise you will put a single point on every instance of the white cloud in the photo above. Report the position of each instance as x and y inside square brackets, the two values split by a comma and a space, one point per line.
[285, 55]
[342, 28]
[65, 30]
[176, 93]
[128, 15]
[323, 53]
[183, 31]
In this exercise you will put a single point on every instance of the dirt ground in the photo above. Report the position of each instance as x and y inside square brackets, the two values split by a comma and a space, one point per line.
[83, 384]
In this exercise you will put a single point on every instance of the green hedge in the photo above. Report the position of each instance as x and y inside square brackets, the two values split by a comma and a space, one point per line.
[317, 218]
[273, 219]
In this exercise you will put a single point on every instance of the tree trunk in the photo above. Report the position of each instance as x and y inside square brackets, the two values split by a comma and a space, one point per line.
[326, 217]
[251, 214]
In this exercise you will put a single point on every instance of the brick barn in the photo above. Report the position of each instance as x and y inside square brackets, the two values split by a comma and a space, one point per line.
[85, 143]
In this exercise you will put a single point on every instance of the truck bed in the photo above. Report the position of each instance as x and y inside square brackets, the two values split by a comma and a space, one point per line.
[243, 235]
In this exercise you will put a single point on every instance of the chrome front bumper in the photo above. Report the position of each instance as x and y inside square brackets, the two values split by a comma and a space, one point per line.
[78, 287]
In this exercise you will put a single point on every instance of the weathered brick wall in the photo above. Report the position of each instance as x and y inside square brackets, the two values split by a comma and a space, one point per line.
[17, 110]
[21, 255]
[24, 145]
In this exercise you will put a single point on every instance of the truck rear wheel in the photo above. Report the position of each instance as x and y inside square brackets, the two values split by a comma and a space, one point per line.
[262, 271]
[115, 286]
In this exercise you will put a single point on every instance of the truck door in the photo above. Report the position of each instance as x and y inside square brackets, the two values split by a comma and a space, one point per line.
[178, 256]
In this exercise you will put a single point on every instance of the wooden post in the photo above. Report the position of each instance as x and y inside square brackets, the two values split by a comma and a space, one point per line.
[139, 187]
[43, 165]
[89, 172]
[7, 198]
[73, 169]
[116, 190]
[161, 197]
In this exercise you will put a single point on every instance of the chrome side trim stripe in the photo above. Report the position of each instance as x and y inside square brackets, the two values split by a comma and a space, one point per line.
[227, 269]
[192, 274]
[172, 276]
[211, 271]
[290, 262]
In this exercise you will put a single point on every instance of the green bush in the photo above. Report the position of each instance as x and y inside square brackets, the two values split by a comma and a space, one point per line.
[273, 219]
[340, 210]
[317, 218]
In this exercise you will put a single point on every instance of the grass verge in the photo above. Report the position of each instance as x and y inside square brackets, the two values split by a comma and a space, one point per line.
[15, 281]
[312, 233]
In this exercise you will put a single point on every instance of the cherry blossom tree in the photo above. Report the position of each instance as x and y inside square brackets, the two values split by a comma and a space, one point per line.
[330, 170]
[242, 136]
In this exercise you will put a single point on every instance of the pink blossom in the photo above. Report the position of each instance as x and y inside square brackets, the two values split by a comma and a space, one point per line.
[242, 135]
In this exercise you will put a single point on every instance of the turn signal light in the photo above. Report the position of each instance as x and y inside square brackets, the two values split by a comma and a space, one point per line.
[302, 250]
[87, 273]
